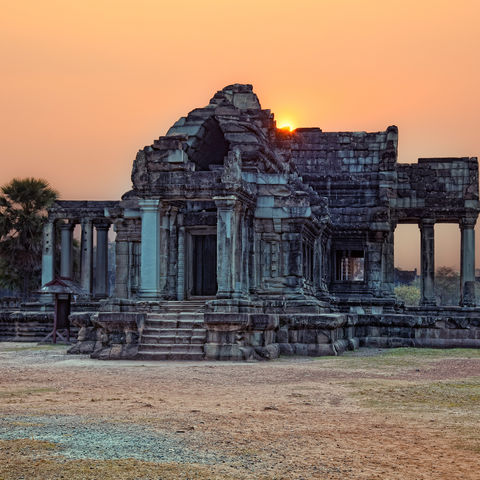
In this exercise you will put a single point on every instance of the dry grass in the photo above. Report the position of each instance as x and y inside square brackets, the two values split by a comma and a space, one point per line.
[24, 392]
[30, 348]
[401, 414]
[396, 359]
[33, 459]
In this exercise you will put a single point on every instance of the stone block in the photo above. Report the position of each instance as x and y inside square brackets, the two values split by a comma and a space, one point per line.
[282, 335]
[265, 201]
[286, 349]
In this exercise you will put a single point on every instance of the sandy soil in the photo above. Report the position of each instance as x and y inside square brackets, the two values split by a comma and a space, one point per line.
[405, 414]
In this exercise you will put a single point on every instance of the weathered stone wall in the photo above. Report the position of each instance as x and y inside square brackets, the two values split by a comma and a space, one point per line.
[108, 336]
[233, 336]
[348, 169]
[249, 336]
[315, 335]
[447, 327]
[441, 189]
[127, 257]
[24, 326]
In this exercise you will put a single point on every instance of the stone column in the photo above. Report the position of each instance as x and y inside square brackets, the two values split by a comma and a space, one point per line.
[168, 252]
[122, 260]
[150, 248]
[164, 250]
[245, 253]
[181, 260]
[101, 267]
[388, 263]
[66, 252]
[48, 258]
[317, 264]
[226, 244]
[48, 252]
[86, 254]
[427, 260]
[239, 253]
[467, 262]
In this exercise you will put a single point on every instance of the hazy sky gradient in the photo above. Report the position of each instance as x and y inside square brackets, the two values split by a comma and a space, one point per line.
[85, 84]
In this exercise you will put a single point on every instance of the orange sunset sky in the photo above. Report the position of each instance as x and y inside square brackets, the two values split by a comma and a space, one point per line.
[85, 84]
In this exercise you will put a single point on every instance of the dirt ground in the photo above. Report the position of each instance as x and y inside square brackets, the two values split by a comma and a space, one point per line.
[371, 414]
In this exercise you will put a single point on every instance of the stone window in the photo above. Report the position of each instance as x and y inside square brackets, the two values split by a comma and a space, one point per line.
[350, 265]
[308, 260]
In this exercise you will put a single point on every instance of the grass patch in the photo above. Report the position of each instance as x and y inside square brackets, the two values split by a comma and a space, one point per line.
[20, 423]
[431, 352]
[463, 395]
[451, 405]
[25, 392]
[33, 348]
[25, 446]
[400, 358]
[15, 464]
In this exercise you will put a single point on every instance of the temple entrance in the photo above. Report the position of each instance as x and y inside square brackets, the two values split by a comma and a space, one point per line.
[204, 249]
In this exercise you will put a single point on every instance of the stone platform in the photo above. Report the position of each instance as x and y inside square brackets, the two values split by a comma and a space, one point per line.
[174, 334]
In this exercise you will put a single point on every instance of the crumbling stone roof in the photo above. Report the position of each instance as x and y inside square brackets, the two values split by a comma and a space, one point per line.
[357, 172]
[233, 120]
[77, 210]
[348, 168]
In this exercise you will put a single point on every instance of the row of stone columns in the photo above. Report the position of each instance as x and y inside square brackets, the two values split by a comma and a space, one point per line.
[97, 286]
[467, 262]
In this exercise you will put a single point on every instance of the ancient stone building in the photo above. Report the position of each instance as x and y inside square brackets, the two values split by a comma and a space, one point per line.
[241, 240]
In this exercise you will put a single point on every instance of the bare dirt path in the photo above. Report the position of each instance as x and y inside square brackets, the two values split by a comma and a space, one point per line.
[400, 414]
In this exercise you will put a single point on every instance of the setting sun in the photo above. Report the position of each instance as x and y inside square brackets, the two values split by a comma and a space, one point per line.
[285, 125]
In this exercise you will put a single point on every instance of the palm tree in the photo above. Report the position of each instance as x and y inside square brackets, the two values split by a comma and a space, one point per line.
[23, 212]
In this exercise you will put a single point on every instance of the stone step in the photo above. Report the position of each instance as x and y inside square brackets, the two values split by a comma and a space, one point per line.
[176, 314]
[187, 306]
[181, 324]
[181, 332]
[173, 339]
[185, 356]
[181, 310]
[173, 323]
[170, 324]
[170, 348]
[174, 335]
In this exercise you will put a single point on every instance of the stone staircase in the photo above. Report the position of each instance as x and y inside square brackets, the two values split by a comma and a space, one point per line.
[177, 333]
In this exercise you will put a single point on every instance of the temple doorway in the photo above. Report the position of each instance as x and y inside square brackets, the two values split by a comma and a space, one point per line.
[204, 265]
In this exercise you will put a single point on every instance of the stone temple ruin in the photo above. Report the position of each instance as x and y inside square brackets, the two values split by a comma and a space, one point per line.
[239, 240]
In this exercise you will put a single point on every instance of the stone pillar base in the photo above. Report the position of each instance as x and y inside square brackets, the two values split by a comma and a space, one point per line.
[468, 299]
[150, 294]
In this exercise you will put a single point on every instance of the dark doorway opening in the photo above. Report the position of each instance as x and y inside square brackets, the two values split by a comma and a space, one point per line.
[204, 265]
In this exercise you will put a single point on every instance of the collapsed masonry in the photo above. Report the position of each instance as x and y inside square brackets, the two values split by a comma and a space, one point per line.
[241, 240]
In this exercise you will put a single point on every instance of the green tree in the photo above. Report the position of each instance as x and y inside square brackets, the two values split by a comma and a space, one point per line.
[447, 286]
[23, 212]
[410, 294]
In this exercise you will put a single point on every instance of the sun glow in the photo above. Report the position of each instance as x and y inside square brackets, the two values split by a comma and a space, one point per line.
[285, 125]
